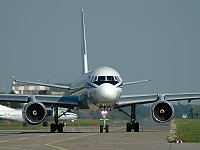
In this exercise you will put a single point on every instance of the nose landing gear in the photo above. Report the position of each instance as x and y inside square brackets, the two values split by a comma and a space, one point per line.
[104, 125]
[104, 111]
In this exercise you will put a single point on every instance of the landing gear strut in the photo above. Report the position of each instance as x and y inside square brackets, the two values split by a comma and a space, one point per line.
[104, 126]
[56, 126]
[132, 125]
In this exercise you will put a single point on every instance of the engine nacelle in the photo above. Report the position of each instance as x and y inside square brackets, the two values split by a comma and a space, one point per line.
[34, 112]
[162, 111]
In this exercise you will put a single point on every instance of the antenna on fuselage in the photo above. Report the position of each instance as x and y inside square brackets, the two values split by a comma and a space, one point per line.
[83, 45]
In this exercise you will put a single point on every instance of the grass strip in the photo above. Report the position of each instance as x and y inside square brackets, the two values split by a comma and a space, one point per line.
[186, 129]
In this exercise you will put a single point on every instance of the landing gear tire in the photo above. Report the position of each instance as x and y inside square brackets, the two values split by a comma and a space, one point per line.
[107, 128]
[136, 127]
[24, 124]
[53, 128]
[45, 124]
[60, 128]
[101, 128]
[132, 126]
[128, 127]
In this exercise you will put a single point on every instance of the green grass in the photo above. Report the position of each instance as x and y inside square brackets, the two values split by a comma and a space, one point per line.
[86, 122]
[14, 125]
[188, 129]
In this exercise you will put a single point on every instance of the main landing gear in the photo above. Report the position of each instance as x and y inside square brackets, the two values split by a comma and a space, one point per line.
[56, 126]
[132, 125]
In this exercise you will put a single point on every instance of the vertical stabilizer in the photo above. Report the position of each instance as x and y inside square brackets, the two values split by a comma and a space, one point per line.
[83, 45]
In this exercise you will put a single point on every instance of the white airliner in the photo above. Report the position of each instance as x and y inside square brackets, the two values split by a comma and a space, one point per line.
[97, 89]
[16, 114]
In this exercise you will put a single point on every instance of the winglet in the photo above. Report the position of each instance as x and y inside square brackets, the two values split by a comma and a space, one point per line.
[83, 45]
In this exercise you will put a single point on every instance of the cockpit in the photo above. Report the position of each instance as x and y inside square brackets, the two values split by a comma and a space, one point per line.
[98, 80]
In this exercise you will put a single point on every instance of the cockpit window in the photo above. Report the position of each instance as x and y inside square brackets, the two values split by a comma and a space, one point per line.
[101, 78]
[94, 79]
[110, 78]
[117, 78]
[105, 79]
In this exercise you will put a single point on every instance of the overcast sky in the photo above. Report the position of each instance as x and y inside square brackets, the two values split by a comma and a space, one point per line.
[141, 39]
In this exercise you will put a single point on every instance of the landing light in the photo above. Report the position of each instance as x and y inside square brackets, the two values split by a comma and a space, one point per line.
[104, 112]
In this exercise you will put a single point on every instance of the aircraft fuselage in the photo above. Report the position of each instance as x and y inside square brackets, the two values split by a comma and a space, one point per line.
[102, 87]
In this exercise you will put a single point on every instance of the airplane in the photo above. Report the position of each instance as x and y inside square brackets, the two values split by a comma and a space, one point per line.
[11, 113]
[97, 89]
[16, 114]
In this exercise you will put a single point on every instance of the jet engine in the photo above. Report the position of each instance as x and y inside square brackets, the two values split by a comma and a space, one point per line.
[34, 112]
[162, 111]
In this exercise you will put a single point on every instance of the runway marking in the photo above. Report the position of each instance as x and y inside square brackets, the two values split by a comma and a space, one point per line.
[23, 138]
[41, 135]
[68, 139]
[13, 139]
[3, 141]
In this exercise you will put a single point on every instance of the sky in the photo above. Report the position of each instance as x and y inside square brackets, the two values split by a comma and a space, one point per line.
[141, 39]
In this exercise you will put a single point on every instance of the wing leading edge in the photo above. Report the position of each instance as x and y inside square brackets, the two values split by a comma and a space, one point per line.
[43, 84]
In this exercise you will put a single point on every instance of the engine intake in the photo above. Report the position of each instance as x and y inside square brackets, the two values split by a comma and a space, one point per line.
[34, 112]
[162, 111]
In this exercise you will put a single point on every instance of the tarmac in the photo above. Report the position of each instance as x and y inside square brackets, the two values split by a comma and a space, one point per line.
[88, 138]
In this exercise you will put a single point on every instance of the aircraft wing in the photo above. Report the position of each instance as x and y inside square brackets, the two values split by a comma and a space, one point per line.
[128, 100]
[135, 82]
[60, 100]
[14, 98]
[43, 84]
[182, 96]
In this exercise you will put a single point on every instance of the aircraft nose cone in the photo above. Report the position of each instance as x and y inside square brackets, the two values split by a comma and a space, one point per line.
[106, 92]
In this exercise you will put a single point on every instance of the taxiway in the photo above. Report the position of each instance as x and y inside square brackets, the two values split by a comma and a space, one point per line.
[86, 138]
